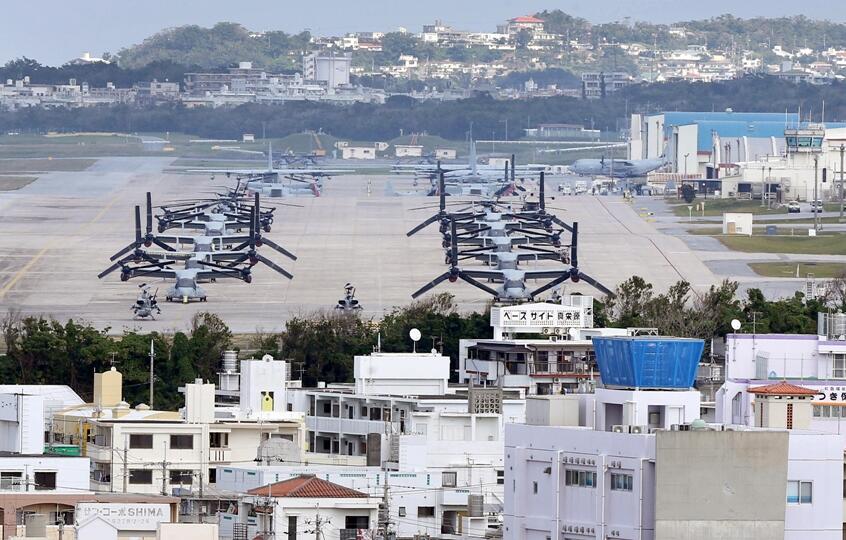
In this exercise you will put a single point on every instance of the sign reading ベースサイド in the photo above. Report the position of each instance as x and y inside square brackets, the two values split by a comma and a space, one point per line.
[542, 317]
[126, 516]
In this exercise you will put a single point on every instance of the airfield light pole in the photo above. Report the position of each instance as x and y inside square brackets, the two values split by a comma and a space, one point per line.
[842, 149]
[814, 208]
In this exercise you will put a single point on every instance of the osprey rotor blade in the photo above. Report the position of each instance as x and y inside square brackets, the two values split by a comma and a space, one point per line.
[478, 284]
[550, 285]
[273, 265]
[431, 285]
[586, 278]
[279, 248]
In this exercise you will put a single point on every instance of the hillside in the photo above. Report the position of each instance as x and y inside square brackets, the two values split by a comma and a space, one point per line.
[222, 45]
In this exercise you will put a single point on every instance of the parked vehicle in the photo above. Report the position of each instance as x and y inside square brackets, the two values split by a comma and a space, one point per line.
[793, 207]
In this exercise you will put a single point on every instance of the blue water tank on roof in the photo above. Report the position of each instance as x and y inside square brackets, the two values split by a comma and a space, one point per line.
[648, 362]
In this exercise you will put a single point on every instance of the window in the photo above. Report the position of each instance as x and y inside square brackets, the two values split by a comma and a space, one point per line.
[799, 492]
[402, 511]
[11, 481]
[579, 478]
[535, 488]
[500, 477]
[218, 440]
[181, 442]
[356, 522]
[45, 480]
[139, 440]
[292, 527]
[140, 476]
[838, 366]
[621, 482]
[425, 511]
[212, 476]
[327, 407]
[449, 479]
[181, 477]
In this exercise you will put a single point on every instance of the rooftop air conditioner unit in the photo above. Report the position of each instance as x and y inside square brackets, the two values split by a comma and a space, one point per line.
[638, 429]
[618, 429]
[684, 427]
[674, 427]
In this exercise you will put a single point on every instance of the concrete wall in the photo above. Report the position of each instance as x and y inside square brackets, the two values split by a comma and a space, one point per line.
[22, 423]
[384, 373]
[261, 379]
[552, 410]
[817, 458]
[720, 484]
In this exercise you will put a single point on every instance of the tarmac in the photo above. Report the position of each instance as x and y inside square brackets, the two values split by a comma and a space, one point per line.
[57, 234]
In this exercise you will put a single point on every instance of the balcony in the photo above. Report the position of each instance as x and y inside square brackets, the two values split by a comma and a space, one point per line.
[348, 426]
[454, 497]
[220, 455]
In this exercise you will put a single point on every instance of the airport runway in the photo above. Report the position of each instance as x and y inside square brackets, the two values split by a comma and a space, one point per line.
[57, 233]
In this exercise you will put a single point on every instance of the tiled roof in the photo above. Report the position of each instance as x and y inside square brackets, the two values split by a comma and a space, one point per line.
[782, 389]
[307, 486]
[526, 19]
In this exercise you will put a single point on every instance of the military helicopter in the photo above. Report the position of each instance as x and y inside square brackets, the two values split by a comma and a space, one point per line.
[146, 304]
[348, 303]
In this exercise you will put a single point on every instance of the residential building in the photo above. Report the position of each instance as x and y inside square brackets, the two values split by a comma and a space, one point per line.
[293, 506]
[599, 84]
[422, 502]
[563, 362]
[142, 450]
[329, 68]
[639, 463]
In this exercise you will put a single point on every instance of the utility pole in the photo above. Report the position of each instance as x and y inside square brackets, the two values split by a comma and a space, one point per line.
[152, 376]
[125, 467]
[164, 468]
[385, 514]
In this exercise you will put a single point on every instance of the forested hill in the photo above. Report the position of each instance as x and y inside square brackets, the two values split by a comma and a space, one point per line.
[223, 44]
[227, 43]
[723, 32]
[450, 119]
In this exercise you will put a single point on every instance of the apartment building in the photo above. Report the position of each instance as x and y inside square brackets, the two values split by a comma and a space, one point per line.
[641, 464]
[142, 450]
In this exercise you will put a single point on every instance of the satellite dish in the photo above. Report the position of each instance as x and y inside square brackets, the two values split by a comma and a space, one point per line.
[735, 324]
[415, 335]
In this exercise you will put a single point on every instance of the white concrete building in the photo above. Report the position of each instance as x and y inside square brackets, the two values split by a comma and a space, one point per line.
[640, 465]
[422, 502]
[303, 506]
[147, 451]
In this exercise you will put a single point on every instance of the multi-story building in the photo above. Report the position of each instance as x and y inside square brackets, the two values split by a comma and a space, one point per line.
[401, 414]
[142, 450]
[639, 464]
[562, 362]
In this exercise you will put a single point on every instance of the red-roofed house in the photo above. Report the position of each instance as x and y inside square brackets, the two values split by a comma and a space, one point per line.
[783, 405]
[525, 22]
[287, 508]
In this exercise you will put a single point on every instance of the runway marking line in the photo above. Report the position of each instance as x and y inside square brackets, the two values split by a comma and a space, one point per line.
[28, 266]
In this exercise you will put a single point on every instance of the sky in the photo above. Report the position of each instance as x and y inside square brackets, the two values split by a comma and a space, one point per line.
[54, 31]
